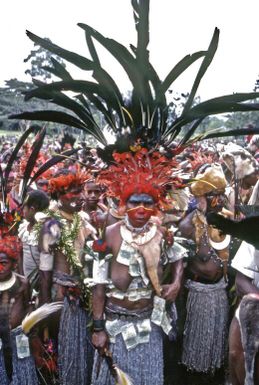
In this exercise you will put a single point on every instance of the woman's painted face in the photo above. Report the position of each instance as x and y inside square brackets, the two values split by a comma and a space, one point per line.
[6, 267]
[140, 207]
[72, 201]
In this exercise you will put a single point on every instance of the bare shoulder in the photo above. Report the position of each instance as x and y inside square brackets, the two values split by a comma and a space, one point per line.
[185, 226]
[113, 229]
[162, 229]
[112, 234]
[23, 280]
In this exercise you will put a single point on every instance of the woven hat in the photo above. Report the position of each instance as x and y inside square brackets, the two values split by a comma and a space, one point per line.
[212, 179]
[239, 161]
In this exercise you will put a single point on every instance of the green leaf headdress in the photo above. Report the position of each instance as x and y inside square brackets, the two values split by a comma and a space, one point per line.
[145, 116]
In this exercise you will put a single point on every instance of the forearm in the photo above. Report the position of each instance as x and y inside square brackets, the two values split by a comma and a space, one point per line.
[99, 336]
[177, 272]
[20, 264]
[244, 285]
[170, 291]
[45, 283]
[98, 302]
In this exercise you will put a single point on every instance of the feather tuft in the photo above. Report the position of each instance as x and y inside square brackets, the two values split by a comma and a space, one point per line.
[39, 314]
[122, 378]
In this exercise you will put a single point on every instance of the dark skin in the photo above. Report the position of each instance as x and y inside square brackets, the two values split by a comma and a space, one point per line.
[29, 214]
[92, 196]
[20, 306]
[21, 296]
[244, 286]
[121, 277]
[68, 204]
[202, 266]
[98, 212]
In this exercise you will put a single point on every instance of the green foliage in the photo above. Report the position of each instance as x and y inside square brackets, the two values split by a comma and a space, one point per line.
[146, 115]
[12, 102]
[241, 119]
[39, 58]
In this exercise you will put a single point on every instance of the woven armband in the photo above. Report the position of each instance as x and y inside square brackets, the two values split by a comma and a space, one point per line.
[98, 325]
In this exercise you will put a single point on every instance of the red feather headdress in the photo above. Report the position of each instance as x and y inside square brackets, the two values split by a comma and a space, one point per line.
[63, 183]
[11, 246]
[142, 172]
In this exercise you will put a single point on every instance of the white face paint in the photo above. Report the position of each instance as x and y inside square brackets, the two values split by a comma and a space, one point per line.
[73, 204]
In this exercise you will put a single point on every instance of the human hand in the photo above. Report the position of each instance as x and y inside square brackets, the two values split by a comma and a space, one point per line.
[170, 292]
[100, 341]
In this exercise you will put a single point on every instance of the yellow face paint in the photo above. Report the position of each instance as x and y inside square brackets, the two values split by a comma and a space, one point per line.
[139, 207]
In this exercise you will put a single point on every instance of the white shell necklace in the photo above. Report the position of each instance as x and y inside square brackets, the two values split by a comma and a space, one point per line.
[6, 285]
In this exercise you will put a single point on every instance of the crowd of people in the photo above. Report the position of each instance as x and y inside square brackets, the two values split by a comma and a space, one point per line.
[128, 271]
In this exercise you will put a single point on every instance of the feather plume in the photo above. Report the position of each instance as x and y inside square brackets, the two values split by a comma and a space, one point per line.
[39, 314]
[122, 378]
[52, 162]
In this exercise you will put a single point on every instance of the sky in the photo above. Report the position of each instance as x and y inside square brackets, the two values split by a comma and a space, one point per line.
[177, 28]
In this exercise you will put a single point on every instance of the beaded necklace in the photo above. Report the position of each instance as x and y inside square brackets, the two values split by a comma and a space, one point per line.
[204, 234]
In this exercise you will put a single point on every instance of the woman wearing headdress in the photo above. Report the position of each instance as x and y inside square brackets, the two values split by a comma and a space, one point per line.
[17, 365]
[205, 329]
[130, 300]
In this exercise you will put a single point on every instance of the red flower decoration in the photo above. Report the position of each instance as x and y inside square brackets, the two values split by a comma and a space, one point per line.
[99, 246]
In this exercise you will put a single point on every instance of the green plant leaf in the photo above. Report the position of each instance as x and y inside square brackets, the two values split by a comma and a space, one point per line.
[203, 68]
[74, 58]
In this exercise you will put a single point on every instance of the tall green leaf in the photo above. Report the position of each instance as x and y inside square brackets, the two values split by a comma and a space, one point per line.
[203, 68]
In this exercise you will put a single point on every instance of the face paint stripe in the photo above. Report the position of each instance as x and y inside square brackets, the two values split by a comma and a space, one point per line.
[140, 207]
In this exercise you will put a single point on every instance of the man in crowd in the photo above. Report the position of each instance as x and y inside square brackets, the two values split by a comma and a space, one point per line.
[35, 201]
[205, 330]
[62, 237]
[244, 175]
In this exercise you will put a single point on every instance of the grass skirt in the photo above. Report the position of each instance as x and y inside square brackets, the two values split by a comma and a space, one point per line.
[75, 354]
[205, 330]
[24, 370]
[144, 363]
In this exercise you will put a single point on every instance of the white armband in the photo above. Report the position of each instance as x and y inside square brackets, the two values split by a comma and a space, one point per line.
[46, 261]
[100, 271]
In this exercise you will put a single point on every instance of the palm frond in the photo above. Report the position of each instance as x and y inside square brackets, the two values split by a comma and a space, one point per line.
[178, 69]
[83, 111]
[56, 117]
[219, 133]
[15, 151]
[74, 58]
[32, 161]
[127, 61]
[52, 162]
[146, 114]
[220, 105]
[60, 70]
[203, 68]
